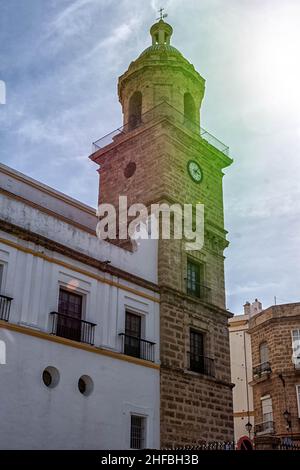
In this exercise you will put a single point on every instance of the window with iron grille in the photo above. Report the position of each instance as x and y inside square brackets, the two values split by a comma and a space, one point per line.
[137, 432]
[196, 351]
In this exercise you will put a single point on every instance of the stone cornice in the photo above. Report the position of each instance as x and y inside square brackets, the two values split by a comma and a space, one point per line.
[136, 69]
[196, 376]
[191, 139]
[185, 297]
[267, 322]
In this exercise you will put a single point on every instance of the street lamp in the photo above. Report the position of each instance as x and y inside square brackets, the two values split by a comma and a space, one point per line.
[248, 427]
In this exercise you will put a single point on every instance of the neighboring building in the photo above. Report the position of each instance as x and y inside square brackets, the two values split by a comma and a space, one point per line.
[265, 347]
[79, 336]
[161, 155]
[241, 371]
[275, 341]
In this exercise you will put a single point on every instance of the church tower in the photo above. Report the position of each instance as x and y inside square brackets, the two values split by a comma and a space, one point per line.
[162, 155]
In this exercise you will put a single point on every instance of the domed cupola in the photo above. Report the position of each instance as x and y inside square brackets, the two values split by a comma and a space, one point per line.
[159, 74]
[161, 33]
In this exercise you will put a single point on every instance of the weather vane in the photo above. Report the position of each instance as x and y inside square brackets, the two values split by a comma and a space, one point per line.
[161, 14]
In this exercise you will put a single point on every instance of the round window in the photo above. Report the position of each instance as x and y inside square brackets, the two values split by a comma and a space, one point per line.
[50, 376]
[85, 385]
[130, 169]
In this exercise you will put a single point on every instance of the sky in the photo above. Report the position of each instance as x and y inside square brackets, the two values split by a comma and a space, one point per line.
[60, 61]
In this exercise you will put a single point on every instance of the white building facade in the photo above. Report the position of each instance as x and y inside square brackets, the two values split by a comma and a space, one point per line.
[79, 327]
[242, 371]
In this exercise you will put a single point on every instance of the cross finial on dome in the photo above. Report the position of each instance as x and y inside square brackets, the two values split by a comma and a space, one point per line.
[161, 14]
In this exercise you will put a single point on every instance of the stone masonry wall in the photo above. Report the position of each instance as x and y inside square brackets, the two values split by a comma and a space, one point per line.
[274, 326]
[194, 407]
[161, 154]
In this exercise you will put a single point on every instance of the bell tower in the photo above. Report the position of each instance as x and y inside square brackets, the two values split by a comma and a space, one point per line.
[162, 155]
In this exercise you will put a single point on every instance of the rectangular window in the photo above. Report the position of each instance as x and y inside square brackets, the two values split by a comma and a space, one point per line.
[1, 277]
[197, 351]
[5, 302]
[69, 315]
[266, 426]
[264, 352]
[298, 398]
[296, 347]
[267, 409]
[195, 284]
[193, 278]
[137, 432]
[198, 362]
[133, 327]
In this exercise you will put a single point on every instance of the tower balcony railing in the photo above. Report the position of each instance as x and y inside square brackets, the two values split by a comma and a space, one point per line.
[201, 364]
[162, 110]
[72, 328]
[199, 290]
[5, 303]
[138, 347]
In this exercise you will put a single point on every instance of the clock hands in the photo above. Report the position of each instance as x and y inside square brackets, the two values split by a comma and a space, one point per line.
[197, 171]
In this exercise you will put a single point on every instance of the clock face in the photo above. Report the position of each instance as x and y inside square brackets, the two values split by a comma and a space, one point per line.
[195, 171]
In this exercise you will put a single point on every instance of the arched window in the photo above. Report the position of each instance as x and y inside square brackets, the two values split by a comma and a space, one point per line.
[135, 109]
[189, 107]
[264, 352]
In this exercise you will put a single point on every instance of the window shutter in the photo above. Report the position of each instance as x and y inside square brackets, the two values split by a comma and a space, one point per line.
[296, 345]
[267, 408]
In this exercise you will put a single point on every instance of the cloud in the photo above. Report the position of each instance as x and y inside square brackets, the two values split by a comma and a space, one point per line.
[38, 131]
[117, 36]
[71, 21]
[246, 289]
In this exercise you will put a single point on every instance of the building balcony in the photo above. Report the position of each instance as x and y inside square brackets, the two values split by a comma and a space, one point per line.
[201, 364]
[5, 307]
[72, 328]
[265, 427]
[262, 371]
[137, 347]
[196, 289]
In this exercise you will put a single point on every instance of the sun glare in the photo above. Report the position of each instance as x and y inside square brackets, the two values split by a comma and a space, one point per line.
[273, 64]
